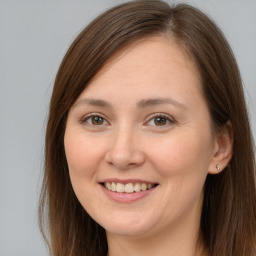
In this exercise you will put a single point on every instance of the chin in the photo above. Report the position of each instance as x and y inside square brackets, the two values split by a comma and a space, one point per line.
[128, 231]
[124, 226]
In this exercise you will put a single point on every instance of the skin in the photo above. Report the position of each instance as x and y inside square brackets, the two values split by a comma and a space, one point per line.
[129, 143]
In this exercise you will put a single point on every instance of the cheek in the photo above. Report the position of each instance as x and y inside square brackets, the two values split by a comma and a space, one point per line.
[82, 154]
[181, 150]
[183, 159]
[83, 157]
[182, 163]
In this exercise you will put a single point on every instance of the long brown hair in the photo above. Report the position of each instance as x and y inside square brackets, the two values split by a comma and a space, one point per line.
[228, 222]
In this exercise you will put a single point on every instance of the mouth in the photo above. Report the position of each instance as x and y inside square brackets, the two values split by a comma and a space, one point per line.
[129, 187]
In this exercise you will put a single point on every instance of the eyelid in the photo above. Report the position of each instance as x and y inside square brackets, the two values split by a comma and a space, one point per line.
[168, 118]
[87, 116]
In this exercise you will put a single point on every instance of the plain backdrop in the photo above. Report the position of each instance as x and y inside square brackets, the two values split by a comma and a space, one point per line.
[34, 36]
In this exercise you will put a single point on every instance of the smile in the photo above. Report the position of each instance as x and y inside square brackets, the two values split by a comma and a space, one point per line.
[128, 187]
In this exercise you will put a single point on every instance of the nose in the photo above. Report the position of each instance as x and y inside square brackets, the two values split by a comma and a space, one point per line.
[124, 151]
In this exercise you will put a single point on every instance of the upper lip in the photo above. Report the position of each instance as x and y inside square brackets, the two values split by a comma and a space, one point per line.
[126, 181]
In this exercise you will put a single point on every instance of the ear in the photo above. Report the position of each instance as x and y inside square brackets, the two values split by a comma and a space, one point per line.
[223, 149]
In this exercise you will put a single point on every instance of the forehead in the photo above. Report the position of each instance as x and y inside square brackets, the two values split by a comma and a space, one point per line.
[150, 64]
[151, 51]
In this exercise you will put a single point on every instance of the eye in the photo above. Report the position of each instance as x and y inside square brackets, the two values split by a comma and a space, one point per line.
[96, 120]
[160, 120]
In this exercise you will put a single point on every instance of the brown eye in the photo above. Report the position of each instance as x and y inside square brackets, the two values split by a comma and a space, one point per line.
[159, 121]
[95, 120]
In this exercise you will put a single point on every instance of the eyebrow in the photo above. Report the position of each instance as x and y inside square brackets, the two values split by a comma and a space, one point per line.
[93, 102]
[141, 104]
[159, 101]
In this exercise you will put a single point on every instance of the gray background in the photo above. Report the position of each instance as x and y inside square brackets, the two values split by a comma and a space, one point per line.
[34, 36]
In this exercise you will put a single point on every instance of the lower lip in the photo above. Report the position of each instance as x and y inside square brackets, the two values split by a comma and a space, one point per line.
[127, 197]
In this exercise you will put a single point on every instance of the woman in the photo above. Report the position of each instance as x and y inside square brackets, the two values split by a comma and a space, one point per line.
[148, 145]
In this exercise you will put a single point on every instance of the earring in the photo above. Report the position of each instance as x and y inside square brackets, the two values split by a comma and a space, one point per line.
[218, 167]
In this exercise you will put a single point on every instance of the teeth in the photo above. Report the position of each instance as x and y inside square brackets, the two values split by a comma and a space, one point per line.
[137, 187]
[127, 188]
[113, 186]
[143, 187]
[108, 186]
[119, 187]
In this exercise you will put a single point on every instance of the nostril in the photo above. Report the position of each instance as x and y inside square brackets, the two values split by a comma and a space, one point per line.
[124, 158]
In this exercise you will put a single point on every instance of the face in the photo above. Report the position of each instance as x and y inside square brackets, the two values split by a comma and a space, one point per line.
[139, 142]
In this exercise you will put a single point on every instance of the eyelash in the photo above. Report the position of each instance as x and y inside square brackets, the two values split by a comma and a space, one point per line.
[91, 115]
[168, 119]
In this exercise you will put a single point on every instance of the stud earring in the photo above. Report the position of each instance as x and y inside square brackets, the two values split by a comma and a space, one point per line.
[218, 167]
